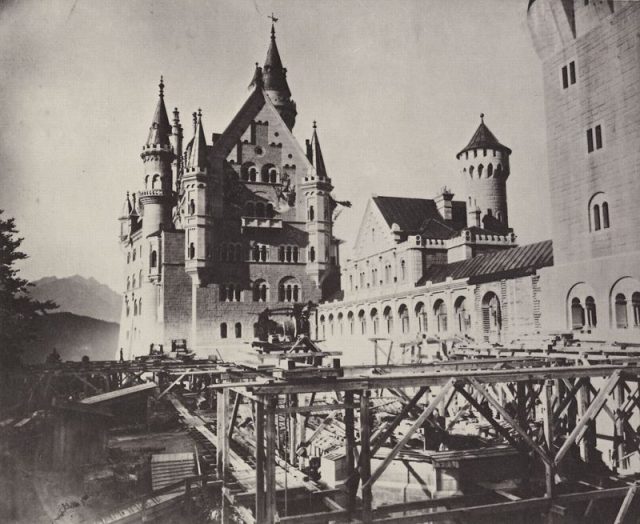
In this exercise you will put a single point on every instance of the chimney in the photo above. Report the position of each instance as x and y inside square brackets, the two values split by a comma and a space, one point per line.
[444, 203]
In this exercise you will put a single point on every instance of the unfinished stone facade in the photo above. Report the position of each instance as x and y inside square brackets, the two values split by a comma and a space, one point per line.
[589, 52]
[219, 232]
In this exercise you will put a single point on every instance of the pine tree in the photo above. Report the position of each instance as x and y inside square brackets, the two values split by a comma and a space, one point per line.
[18, 310]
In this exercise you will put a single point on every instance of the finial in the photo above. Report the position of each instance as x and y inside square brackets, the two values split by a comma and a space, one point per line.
[176, 115]
[199, 114]
[273, 24]
[161, 86]
[482, 117]
[314, 124]
[195, 121]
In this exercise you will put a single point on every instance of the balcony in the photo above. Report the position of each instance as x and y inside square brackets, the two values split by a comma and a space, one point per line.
[261, 223]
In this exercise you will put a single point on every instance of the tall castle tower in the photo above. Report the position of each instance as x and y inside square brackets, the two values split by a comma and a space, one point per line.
[484, 164]
[589, 51]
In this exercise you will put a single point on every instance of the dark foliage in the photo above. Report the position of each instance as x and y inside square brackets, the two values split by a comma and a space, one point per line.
[18, 311]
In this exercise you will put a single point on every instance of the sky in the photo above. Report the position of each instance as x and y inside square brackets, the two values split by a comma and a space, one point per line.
[397, 88]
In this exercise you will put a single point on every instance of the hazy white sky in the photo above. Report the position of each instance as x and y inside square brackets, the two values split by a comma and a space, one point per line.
[396, 86]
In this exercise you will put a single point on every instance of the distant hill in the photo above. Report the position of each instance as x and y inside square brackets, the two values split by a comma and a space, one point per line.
[79, 295]
[73, 336]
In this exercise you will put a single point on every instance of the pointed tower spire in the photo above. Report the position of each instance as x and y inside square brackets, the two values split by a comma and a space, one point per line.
[274, 79]
[314, 153]
[160, 128]
[198, 156]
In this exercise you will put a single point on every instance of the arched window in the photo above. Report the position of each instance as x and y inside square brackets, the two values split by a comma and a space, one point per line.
[605, 215]
[403, 270]
[133, 281]
[440, 313]
[635, 306]
[192, 250]
[135, 308]
[192, 207]
[133, 255]
[289, 290]
[480, 170]
[491, 317]
[140, 306]
[312, 254]
[288, 254]
[622, 321]
[250, 210]
[253, 174]
[273, 175]
[331, 333]
[128, 283]
[596, 217]
[238, 329]
[128, 258]
[490, 170]
[260, 209]
[403, 313]
[270, 212]
[223, 330]
[374, 321]
[127, 309]
[256, 253]
[350, 322]
[421, 315]
[462, 317]
[155, 182]
[154, 259]
[363, 322]
[263, 253]
[577, 314]
[323, 330]
[340, 324]
[245, 170]
[295, 254]
[140, 277]
[590, 310]
[260, 291]
[388, 319]
[311, 213]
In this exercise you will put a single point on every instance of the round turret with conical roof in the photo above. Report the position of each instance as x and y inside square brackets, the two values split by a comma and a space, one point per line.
[484, 164]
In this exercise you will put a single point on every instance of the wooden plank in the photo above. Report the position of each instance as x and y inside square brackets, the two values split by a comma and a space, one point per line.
[222, 446]
[234, 415]
[270, 458]
[365, 457]
[260, 470]
[315, 518]
[503, 413]
[626, 505]
[416, 425]
[591, 413]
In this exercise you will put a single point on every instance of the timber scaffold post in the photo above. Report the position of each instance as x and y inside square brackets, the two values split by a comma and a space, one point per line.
[548, 408]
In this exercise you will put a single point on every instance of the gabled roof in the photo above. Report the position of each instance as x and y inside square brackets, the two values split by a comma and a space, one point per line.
[508, 263]
[413, 215]
[483, 138]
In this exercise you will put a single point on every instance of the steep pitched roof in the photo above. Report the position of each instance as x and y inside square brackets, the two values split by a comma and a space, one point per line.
[274, 74]
[414, 215]
[314, 154]
[484, 138]
[198, 156]
[509, 263]
[160, 128]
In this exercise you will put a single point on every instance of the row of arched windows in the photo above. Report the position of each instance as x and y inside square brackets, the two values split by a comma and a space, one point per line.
[374, 281]
[230, 293]
[237, 330]
[598, 212]
[624, 307]
[156, 181]
[137, 307]
[583, 315]
[375, 324]
[480, 171]
[288, 254]
[627, 312]
[134, 280]
[268, 173]
[259, 210]
[131, 255]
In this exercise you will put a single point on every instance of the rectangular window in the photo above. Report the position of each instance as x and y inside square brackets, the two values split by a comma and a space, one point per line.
[589, 140]
[572, 72]
[565, 77]
[594, 138]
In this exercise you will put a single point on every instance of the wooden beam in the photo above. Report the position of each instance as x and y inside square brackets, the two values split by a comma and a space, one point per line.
[171, 386]
[349, 448]
[365, 457]
[315, 518]
[270, 480]
[260, 461]
[234, 415]
[626, 505]
[222, 446]
[312, 409]
[591, 413]
[549, 466]
[503, 413]
[416, 425]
